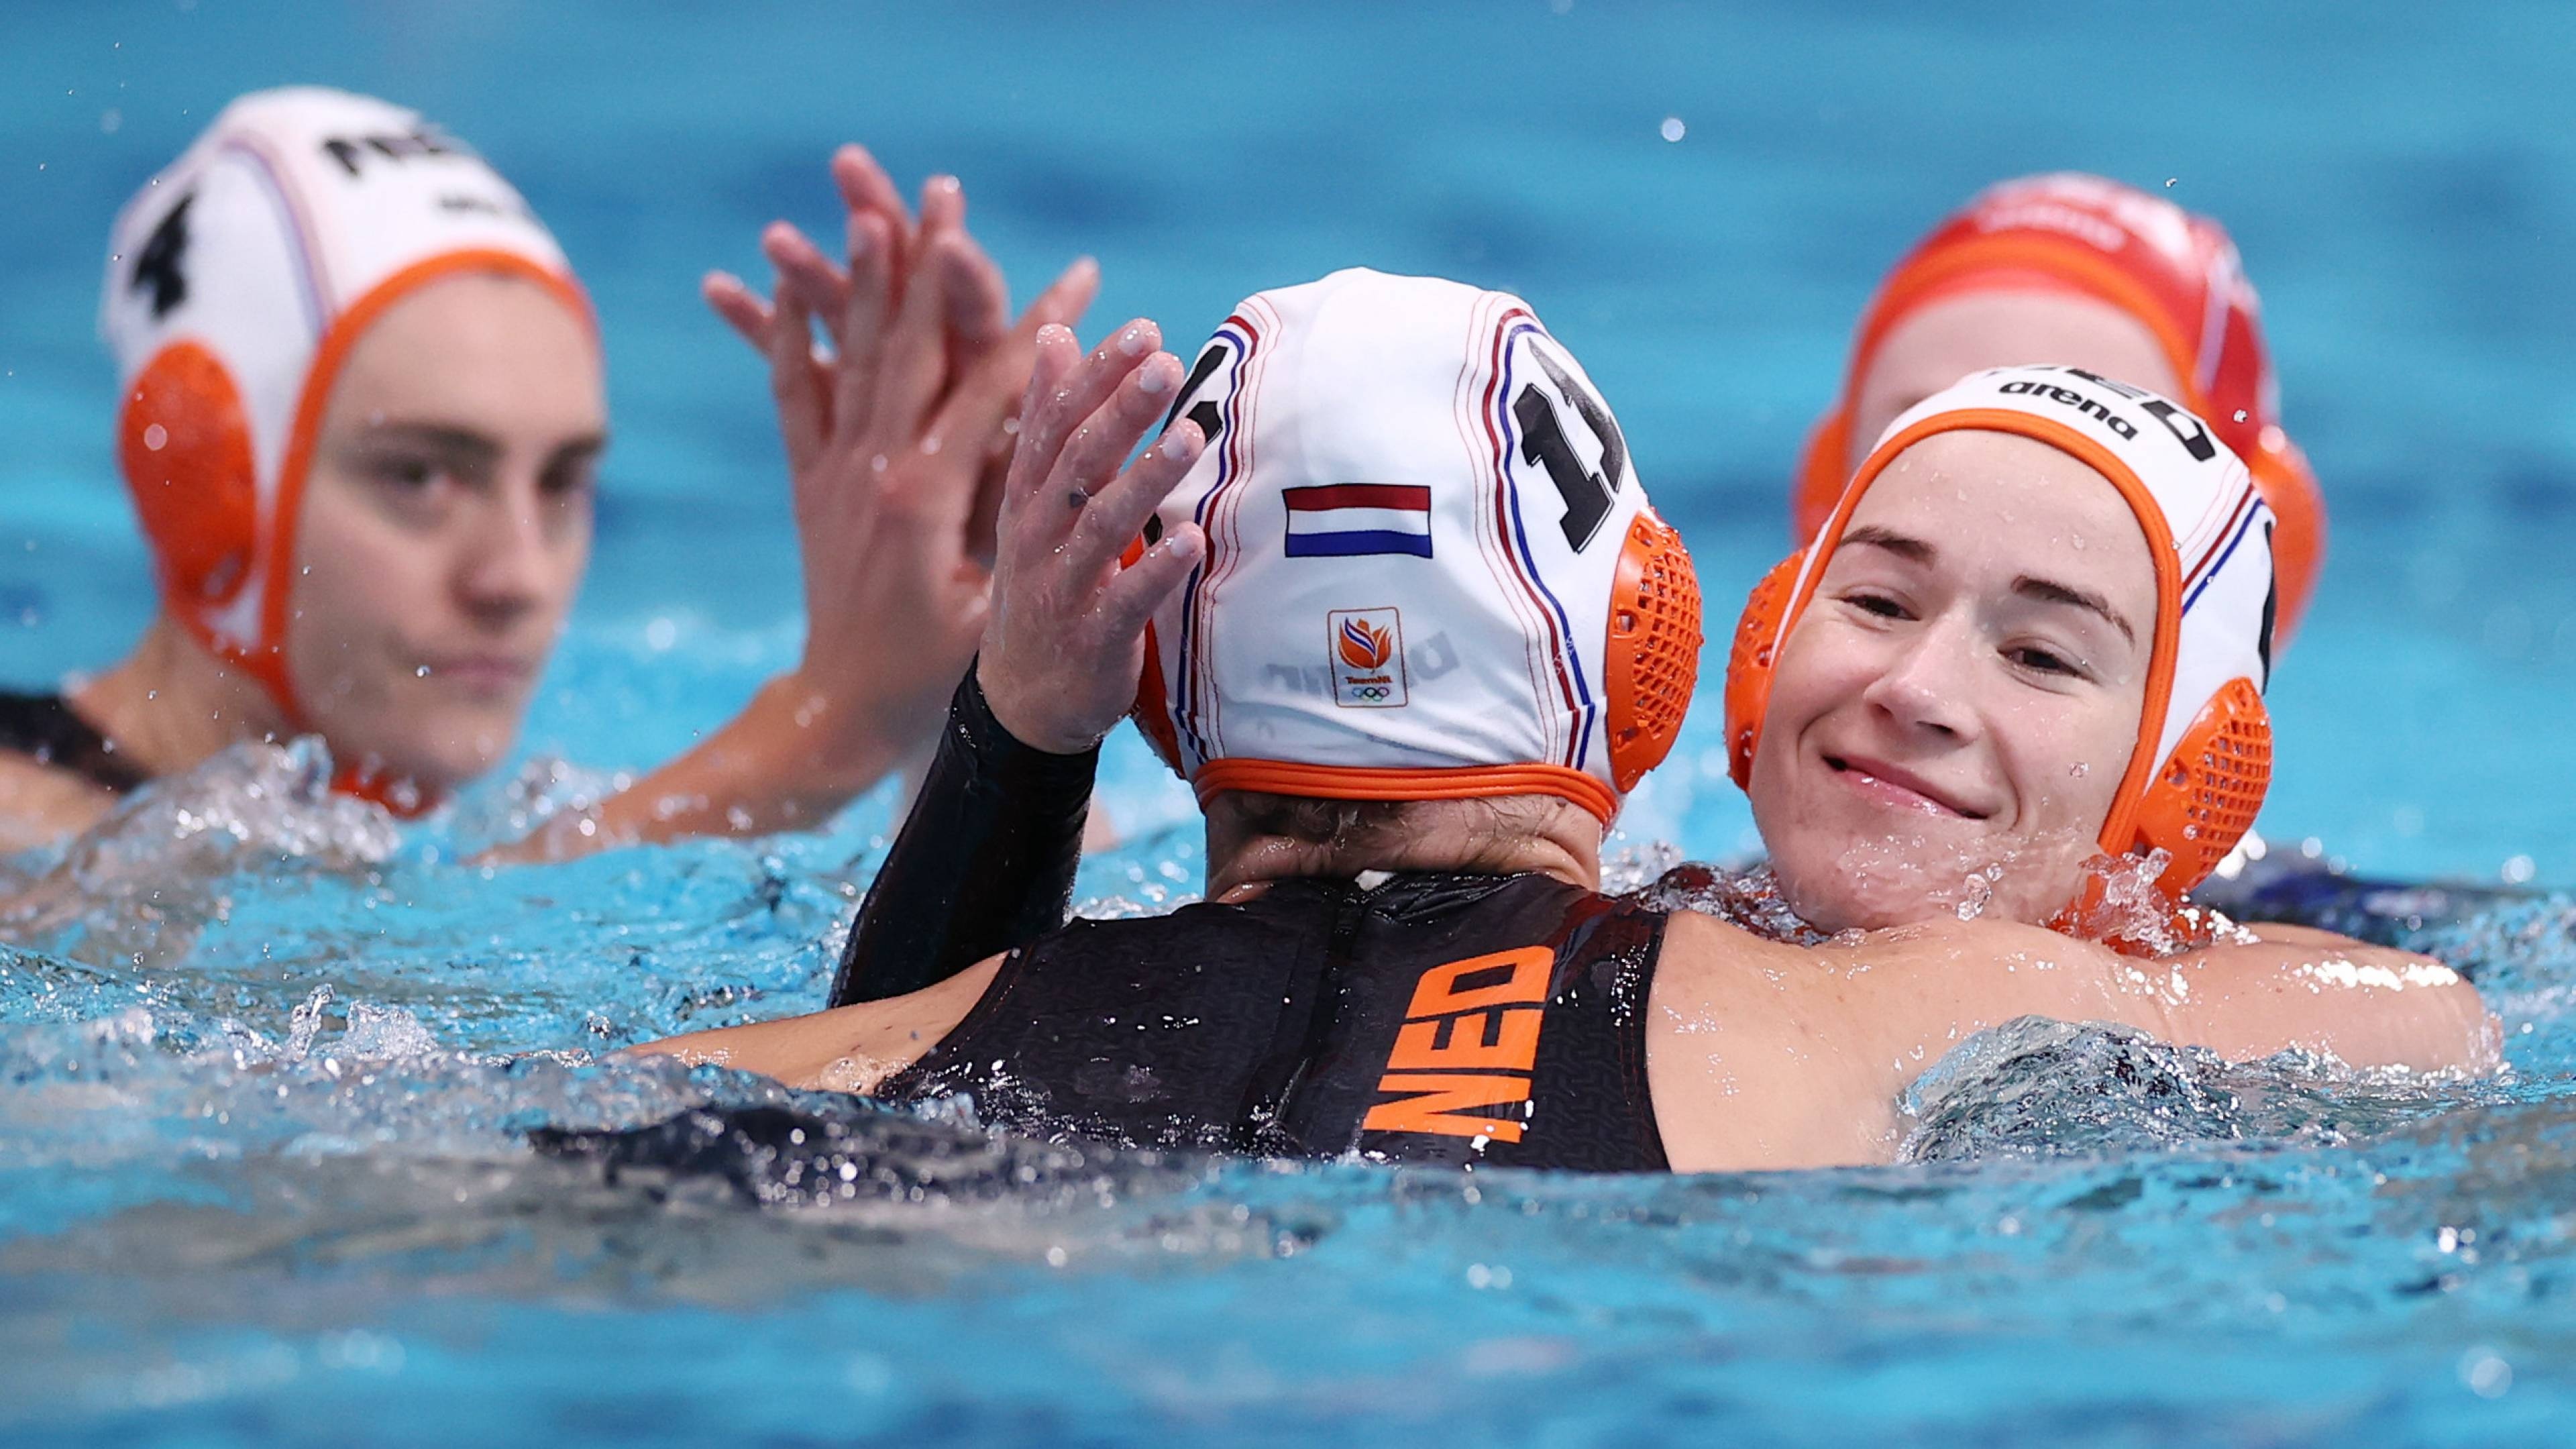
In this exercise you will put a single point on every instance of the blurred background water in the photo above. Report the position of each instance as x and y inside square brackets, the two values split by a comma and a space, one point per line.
[237, 1206]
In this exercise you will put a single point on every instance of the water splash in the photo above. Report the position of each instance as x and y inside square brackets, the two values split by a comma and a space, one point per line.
[1749, 898]
[141, 884]
[2037, 1088]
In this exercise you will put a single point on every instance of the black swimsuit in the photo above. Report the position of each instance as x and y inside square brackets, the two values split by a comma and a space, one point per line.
[1433, 1018]
[43, 727]
[1429, 1018]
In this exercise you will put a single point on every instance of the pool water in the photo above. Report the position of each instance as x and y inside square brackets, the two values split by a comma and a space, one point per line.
[264, 1174]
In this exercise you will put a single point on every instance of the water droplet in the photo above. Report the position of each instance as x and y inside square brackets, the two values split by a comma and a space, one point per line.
[1977, 890]
[2486, 1373]
[156, 437]
[421, 673]
[1673, 129]
[2169, 182]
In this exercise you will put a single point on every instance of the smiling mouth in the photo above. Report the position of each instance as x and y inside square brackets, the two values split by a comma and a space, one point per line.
[1893, 787]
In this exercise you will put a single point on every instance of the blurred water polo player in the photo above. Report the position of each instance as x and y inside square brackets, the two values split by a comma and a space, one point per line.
[361, 422]
[2085, 272]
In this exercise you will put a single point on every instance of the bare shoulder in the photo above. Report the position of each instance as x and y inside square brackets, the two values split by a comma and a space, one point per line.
[847, 1049]
[40, 804]
[1766, 1055]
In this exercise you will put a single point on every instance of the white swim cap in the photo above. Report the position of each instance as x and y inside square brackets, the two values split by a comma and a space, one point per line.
[2204, 754]
[237, 281]
[1431, 571]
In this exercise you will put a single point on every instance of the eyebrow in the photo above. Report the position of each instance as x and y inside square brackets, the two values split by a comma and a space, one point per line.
[2049, 591]
[1912, 549]
[474, 447]
[2046, 591]
[440, 437]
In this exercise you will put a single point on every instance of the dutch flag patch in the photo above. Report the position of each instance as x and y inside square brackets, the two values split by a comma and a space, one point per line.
[1343, 519]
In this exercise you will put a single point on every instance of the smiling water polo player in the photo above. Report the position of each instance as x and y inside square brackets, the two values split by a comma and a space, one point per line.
[2086, 272]
[361, 414]
[1405, 955]
[2036, 626]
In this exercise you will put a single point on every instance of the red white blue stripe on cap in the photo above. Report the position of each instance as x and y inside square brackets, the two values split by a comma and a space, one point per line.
[1341, 520]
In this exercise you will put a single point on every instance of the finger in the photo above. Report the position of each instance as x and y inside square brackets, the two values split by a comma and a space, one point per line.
[804, 417]
[1092, 455]
[861, 327]
[802, 266]
[973, 426]
[1004, 374]
[1074, 396]
[1129, 602]
[915, 365]
[979, 305]
[984, 519]
[1058, 353]
[943, 205]
[988, 367]
[1117, 512]
[865, 186]
[741, 308]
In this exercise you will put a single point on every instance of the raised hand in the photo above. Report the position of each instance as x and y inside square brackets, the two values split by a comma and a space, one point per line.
[1067, 635]
[898, 438]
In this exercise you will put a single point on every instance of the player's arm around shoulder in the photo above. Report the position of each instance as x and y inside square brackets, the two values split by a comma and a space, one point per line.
[847, 1049]
[2370, 1006]
[1765, 1055]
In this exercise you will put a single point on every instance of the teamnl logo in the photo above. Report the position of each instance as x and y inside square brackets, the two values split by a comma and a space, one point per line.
[1366, 650]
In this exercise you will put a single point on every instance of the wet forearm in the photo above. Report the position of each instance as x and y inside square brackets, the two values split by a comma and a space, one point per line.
[784, 763]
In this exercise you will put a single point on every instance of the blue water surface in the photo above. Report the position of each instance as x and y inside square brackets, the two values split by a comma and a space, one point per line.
[262, 1168]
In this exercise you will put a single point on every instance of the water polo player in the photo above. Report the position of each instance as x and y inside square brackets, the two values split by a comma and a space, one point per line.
[362, 409]
[2035, 627]
[2033, 634]
[1413, 632]
[2085, 272]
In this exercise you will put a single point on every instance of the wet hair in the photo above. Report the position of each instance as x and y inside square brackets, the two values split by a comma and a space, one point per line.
[1370, 832]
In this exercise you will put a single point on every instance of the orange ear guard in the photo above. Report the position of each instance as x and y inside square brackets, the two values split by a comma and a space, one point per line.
[1650, 665]
[183, 442]
[1758, 634]
[2206, 796]
[2202, 799]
